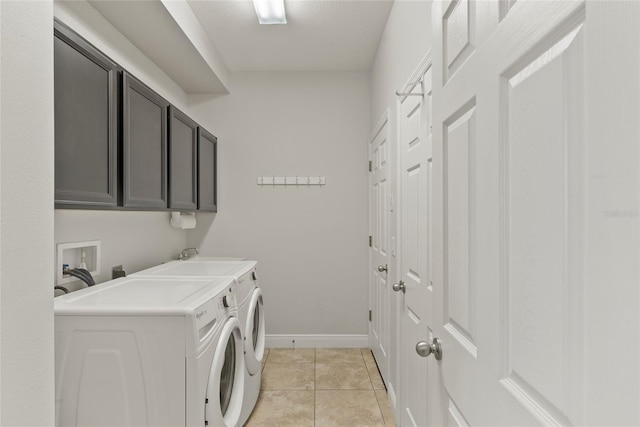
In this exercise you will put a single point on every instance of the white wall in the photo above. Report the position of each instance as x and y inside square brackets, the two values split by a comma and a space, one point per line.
[26, 214]
[311, 243]
[134, 239]
[406, 39]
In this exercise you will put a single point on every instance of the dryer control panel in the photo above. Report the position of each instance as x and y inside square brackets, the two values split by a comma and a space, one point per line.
[227, 300]
[246, 284]
[208, 317]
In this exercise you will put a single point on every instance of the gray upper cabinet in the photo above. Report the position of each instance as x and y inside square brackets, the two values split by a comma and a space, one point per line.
[119, 144]
[86, 123]
[207, 171]
[144, 146]
[183, 167]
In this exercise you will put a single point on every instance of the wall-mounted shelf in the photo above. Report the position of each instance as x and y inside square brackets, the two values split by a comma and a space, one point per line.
[291, 180]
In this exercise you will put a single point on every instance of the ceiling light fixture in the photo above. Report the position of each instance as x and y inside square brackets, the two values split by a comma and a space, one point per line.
[270, 11]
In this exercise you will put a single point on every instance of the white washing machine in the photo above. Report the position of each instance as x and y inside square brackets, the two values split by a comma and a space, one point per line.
[149, 352]
[250, 311]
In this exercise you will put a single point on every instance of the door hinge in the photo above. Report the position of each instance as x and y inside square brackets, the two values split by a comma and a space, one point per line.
[370, 315]
[370, 166]
[370, 241]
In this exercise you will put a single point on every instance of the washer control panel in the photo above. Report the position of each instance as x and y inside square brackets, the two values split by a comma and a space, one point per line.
[226, 300]
[205, 314]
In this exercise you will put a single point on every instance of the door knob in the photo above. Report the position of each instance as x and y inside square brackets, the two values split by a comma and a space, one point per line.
[400, 286]
[382, 268]
[424, 349]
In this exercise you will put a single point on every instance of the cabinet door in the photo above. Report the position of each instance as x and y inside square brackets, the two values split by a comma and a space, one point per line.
[144, 146]
[207, 171]
[85, 84]
[183, 149]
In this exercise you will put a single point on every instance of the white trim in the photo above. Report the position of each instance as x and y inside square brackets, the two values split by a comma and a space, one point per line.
[317, 341]
[398, 354]
[378, 127]
[417, 74]
[391, 395]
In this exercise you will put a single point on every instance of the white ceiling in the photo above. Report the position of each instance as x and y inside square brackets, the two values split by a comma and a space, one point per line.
[321, 35]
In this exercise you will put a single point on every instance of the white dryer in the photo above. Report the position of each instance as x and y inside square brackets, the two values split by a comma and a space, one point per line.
[149, 352]
[250, 310]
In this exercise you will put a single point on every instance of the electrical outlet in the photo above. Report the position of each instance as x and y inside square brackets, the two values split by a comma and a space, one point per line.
[117, 271]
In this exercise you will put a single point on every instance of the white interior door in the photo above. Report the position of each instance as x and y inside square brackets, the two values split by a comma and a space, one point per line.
[415, 288]
[379, 292]
[536, 155]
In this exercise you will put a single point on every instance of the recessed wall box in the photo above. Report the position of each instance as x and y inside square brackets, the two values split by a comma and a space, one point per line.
[73, 254]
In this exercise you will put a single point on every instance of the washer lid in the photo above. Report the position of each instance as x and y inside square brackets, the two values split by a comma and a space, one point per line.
[139, 295]
[215, 258]
[199, 267]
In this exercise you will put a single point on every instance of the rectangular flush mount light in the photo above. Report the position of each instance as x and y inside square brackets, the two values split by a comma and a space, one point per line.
[270, 11]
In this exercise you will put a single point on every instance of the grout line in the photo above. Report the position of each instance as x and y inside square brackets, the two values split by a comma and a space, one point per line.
[374, 390]
[380, 408]
[346, 389]
[315, 387]
[368, 374]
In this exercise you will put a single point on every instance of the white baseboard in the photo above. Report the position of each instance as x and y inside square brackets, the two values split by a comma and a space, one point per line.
[317, 341]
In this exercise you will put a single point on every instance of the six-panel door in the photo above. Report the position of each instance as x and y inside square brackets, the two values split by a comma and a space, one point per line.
[380, 333]
[536, 179]
[416, 320]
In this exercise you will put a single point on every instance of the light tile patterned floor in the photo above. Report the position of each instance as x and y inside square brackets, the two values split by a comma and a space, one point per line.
[322, 387]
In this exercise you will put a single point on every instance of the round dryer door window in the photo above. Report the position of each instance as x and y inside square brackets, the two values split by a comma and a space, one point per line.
[254, 333]
[256, 325]
[228, 375]
[226, 380]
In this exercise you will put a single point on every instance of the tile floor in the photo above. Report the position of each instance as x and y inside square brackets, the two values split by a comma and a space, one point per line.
[321, 388]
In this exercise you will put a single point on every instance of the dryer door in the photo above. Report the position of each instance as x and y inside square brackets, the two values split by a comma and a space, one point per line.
[254, 333]
[226, 379]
